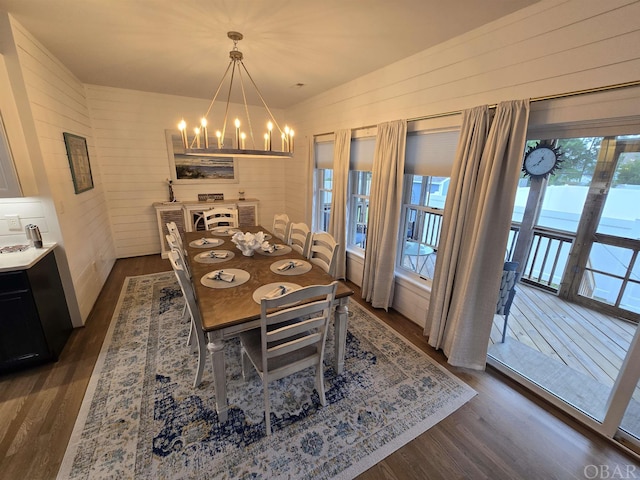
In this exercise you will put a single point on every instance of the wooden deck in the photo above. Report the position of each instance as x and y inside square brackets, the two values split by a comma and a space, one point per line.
[590, 343]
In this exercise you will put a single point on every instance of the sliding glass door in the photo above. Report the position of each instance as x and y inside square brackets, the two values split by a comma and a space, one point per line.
[573, 325]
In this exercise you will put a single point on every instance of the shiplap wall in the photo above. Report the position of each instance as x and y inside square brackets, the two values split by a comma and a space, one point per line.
[130, 139]
[80, 224]
[551, 47]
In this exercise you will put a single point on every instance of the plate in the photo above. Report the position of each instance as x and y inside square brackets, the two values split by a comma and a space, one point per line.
[211, 242]
[264, 289]
[304, 268]
[241, 277]
[224, 231]
[282, 250]
[205, 257]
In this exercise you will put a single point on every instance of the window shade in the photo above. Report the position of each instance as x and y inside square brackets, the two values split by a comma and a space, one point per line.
[324, 154]
[362, 150]
[431, 153]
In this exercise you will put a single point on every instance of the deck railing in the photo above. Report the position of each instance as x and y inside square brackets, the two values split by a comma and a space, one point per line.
[547, 258]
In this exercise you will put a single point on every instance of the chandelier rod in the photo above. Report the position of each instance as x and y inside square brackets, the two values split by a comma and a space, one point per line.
[261, 98]
[226, 110]
[246, 108]
[215, 96]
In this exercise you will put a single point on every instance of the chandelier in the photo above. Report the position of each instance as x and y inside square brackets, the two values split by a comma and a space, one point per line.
[242, 142]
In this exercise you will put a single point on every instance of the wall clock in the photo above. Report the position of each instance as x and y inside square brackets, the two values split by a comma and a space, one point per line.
[541, 160]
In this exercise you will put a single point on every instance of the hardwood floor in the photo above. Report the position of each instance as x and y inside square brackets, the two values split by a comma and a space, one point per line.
[502, 433]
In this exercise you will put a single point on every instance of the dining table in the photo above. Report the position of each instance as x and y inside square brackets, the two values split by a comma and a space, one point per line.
[228, 308]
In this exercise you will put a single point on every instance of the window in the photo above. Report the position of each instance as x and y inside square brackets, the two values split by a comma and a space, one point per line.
[324, 186]
[422, 221]
[359, 190]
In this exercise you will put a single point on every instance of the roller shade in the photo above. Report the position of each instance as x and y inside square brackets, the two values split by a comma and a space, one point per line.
[324, 154]
[362, 150]
[431, 153]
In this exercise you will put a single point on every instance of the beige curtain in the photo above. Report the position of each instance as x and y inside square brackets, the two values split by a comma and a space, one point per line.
[475, 231]
[385, 203]
[338, 215]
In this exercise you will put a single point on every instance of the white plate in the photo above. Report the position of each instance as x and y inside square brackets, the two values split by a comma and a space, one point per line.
[241, 277]
[282, 250]
[205, 257]
[304, 268]
[224, 231]
[211, 242]
[264, 289]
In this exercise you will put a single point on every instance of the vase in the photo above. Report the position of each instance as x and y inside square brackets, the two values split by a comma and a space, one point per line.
[247, 251]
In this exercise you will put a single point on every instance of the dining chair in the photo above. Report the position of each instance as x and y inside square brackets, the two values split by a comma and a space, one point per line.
[220, 216]
[280, 226]
[323, 250]
[172, 228]
[176, 245]
[196, 321]
[507, 293]
[299, 238]
[293, 329]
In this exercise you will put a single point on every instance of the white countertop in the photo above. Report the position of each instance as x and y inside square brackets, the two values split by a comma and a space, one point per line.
[23, 260]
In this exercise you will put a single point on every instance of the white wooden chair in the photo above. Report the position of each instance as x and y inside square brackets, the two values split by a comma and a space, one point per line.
[322, 251]
[172, 228]
[280, 226]
[176, 245]
[220, 216]
[299, 238]
[290, 339]
[196, 329]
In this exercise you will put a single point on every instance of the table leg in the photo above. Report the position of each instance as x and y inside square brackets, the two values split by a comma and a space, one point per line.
[216, 349]
[340, 325]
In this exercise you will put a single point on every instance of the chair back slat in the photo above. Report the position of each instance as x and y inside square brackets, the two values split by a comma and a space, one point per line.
[280, 226]
[286, 348]
[299, 238]
[323, 251]
[220, 216]
[294, 329]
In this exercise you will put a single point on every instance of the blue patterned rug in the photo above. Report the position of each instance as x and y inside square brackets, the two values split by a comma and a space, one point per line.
[141, 418]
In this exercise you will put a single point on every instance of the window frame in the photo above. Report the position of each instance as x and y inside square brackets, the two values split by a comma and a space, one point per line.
[359, 182]
[321, 213]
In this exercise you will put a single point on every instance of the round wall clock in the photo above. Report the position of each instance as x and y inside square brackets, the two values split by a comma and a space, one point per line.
[541, 160]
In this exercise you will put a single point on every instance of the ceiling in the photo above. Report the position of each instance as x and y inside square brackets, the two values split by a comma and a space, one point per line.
[293, 49]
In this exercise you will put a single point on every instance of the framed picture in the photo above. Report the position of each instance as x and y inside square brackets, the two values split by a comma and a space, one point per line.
[198, 169]
[79, 162]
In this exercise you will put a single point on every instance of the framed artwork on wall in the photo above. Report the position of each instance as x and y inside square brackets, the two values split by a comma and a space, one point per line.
[78, 162]
[198, 169]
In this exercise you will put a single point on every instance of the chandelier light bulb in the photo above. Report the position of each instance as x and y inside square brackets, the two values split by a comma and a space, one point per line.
[235, 69]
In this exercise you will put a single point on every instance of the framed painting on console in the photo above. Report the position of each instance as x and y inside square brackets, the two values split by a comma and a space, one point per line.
[198, 169]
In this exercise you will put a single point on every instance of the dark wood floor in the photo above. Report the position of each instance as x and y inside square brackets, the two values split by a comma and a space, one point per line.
[503, 433]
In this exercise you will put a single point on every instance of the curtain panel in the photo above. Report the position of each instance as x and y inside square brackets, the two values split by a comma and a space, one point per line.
[385, 204]
[338, 217]
[475, 232]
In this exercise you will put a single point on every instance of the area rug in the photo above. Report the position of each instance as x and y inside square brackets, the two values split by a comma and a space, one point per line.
[141, 417]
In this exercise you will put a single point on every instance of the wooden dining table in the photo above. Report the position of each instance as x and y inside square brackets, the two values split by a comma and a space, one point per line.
[228, 309]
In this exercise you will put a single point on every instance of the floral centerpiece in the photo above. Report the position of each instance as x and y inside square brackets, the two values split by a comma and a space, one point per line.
[248, 242]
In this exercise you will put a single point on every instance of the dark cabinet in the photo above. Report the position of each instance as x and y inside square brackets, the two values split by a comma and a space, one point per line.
[34, 318]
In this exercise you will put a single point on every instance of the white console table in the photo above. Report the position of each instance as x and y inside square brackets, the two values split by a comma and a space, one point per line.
[188, 215]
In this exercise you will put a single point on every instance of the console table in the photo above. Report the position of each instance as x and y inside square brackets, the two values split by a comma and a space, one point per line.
[188, 215]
